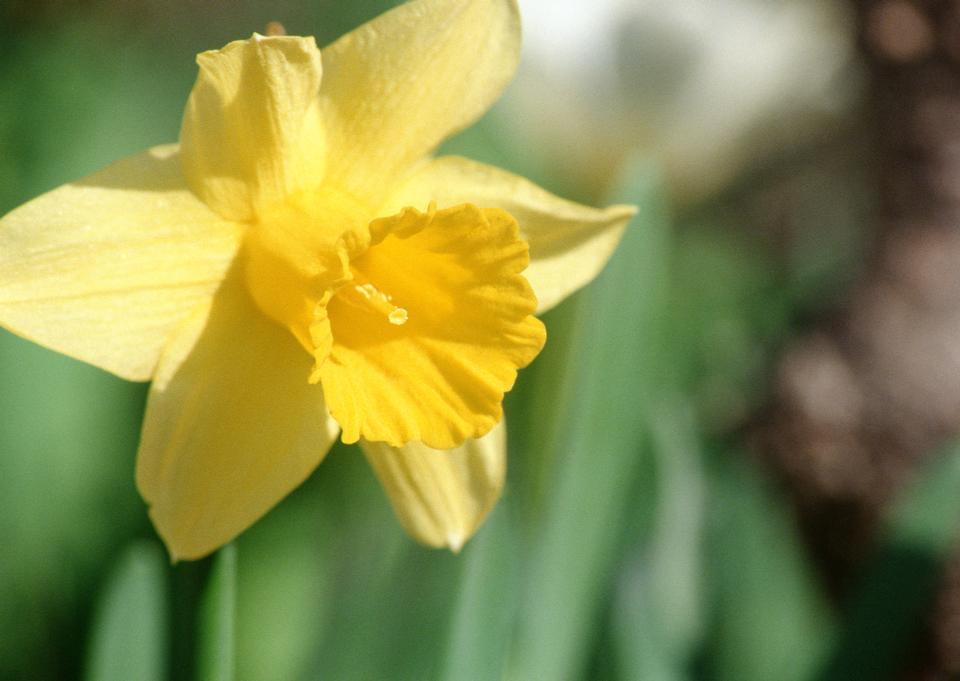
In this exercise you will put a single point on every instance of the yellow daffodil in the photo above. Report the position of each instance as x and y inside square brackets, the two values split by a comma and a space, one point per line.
[300, 266]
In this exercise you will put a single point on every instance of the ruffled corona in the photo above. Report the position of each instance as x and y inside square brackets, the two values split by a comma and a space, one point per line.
[468, 326]
[417, 325]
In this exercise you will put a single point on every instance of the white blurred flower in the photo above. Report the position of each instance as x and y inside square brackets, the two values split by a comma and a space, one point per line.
[707, 86]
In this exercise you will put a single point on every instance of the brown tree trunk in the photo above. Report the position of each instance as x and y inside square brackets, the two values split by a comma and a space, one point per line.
[862, 399]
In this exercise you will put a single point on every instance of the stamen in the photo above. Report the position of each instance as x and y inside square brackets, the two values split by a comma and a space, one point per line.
[370, 297]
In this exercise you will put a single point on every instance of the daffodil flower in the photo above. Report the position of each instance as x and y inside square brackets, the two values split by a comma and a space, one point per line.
[300, 266]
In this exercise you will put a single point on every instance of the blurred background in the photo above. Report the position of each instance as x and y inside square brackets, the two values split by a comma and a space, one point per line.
[733, 462]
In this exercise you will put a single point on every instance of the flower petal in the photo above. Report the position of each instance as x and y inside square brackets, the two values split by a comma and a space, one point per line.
[569, 242]
[429, 335]
[442, 496]
[251, 130]
[394, 88]
[232, 425]
[103, 269]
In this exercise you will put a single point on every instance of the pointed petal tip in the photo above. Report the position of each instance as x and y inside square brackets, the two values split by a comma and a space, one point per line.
[173, 553]
[442, 497]
[180, 550]
[455, 541]
[177, 557]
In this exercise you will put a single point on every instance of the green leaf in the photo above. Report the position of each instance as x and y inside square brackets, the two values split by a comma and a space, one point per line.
[597, 414]
[770, 619]
[285, 569]
[898, 587]
[339, 591]
[217, 629]
[657, 613]
[129, 638]
[479, 628]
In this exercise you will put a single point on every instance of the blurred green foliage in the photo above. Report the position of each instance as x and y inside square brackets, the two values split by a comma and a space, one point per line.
[130, 625]
[633, 541]
[217, 655]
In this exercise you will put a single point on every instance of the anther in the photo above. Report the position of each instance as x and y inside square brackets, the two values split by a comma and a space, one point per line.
[370, 297]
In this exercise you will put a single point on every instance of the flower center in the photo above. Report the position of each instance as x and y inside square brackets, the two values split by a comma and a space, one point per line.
[298, 258]
[424, 338]
[431, 365]
[369, 298]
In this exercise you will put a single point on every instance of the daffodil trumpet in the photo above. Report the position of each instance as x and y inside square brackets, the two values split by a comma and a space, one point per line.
[300, 267]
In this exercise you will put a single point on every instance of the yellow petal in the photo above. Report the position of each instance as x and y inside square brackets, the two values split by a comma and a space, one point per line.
[251, 132]
[232, 425]
[431, 331]
[569, 242]
[442, 496]
[103, 269]
[396, 87]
